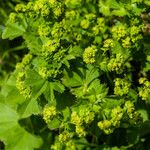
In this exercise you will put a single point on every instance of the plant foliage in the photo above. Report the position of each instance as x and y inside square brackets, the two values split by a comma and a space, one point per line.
[84, 83]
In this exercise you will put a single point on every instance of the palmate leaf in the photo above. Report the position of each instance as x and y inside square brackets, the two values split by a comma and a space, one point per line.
[30, 106]
[121, 12]
[12, 134]
[10, 93]
[54, 124]
[73, 79]
[80, 77]
[49, 91]
[112, 102]
[57, 86]
[12, 97]
[34, 44]
[15, 29]
[84, 83]
[12, 31]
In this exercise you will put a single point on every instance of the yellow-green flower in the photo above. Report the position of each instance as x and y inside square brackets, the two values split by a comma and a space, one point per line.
[75, 118]
[80, 130]
[85, 24]
[90, 54]
[64, 137]
[49, 113]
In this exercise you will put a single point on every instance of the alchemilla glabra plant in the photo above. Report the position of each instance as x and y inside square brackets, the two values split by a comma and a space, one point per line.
[84, 83]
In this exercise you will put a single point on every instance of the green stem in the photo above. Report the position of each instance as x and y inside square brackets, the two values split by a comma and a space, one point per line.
[17, 48]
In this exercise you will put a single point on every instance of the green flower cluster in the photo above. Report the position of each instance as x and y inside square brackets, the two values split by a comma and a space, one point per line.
[77, 120]
[116, 64]
[119, 31]
[119, 116]
[57, 30]
[87, 21]
[57, 146]
[69, 145]
[108, 44]
[106, 126]
[84, 117]
[64, 137]
[49, 112]
[89, 55]
[133, 115]
[144, 92]
[87, 115]
[43, 30]
[85, 24]
[45, 73]
[135, 33]
[52, 66]
[76, 50]
[50, 47]
[99, 27]
[128, 36]
[49, 50]
[45, 7]
[115, 117]
[126, 43]
[13, 17]
[122, 86]
[80, 130]
[24, 89]
[21, 86]
[70, 14]
[20, 7]
[25, 62]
